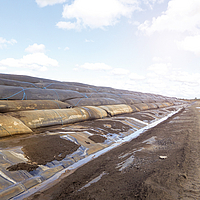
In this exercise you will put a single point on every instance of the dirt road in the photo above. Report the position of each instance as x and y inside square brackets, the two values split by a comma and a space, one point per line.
[162, 163]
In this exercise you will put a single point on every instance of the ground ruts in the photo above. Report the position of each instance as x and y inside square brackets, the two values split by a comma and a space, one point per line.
[146, 176]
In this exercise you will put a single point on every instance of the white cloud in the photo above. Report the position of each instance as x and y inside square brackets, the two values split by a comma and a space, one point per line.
[160, 68]
[75, 69]
[185, 77]
[120, 71]
[166, 80]
[96, 13]
[96, 66]
[66, 48]
[160, 78]
[88, 40]
[4, 42]
[35, 61]
[134, 23]
[35, 48]
[161, 60]
[3, 68]
[43, 3]
[151, 3]
[190, 43]
[157, 59]
[181, 16]
[134, 76]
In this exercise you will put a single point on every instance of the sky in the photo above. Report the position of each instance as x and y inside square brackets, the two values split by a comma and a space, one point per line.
[150, 46]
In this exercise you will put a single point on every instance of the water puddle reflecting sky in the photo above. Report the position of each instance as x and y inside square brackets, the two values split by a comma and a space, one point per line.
[93, 181]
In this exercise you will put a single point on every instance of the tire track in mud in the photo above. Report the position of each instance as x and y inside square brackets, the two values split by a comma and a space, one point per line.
[135, 171]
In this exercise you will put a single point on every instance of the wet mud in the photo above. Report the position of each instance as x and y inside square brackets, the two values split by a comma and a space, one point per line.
[97, 138]
[44, 149]
[23, 166]
[135, 170]
[105, 126]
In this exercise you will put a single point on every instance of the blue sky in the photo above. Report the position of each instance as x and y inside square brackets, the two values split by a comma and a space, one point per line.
[141, 45]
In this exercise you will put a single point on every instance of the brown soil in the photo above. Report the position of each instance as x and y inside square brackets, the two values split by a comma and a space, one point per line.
[135, 170]
[97, 138]
[23, 166]
[43, 149]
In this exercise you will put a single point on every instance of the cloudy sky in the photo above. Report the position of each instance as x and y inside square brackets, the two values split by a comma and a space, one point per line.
[141, 45]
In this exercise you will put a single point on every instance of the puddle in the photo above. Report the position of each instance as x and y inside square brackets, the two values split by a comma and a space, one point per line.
[125, 163]
[93, 181]
[128, 162]
[114, 137]
[129, 153]
[150, 140]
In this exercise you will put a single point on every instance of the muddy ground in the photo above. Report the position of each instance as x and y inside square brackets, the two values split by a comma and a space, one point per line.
[41, 149]
[137, 170]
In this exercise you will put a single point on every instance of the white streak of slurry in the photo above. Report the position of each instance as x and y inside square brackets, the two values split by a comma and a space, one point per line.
[80, 163]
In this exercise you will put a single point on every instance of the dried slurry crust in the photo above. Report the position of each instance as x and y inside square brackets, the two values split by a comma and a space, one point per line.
[97, 138]
[48, 148]
[106, 126]
[23, 166]
[43, 149]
